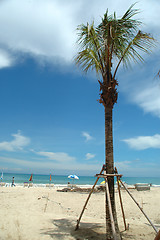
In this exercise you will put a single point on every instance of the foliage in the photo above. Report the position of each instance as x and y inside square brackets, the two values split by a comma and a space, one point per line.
[113, 41]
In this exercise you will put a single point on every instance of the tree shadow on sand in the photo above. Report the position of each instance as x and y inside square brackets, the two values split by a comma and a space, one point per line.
[65, 229]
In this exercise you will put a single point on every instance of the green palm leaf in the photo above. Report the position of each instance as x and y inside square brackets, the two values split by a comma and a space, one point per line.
[113, 39]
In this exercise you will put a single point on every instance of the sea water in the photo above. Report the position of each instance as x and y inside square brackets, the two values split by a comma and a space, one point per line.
[62, 180]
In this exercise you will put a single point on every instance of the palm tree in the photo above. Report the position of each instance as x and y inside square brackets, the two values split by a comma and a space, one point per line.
[103, 49]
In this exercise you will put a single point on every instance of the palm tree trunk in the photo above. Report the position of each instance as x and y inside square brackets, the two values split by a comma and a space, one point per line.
[110, 169]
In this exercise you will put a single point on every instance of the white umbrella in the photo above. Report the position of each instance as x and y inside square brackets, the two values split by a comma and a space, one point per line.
[73, 176]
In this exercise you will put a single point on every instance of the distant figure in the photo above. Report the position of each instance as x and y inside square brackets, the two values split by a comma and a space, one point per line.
[13, 182]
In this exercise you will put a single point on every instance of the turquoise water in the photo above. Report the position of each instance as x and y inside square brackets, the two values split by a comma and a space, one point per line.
[63, 180]
[43, 179]
[134, 180]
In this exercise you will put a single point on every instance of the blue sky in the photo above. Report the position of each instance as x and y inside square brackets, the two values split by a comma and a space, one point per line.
[50, 119]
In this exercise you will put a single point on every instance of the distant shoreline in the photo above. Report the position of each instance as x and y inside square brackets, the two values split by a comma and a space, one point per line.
[58, 180]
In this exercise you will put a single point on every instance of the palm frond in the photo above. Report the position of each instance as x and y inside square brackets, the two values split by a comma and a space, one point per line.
[141, 42]
[88, 40]
[87, 59]
[130, 12]
[113, 38]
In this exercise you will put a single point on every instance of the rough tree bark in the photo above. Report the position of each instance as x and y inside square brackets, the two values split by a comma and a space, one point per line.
[110, 169]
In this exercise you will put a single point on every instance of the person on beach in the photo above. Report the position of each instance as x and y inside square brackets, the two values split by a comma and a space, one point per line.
[13, 182]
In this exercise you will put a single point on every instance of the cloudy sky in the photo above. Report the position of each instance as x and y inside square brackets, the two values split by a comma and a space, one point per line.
[50, 120]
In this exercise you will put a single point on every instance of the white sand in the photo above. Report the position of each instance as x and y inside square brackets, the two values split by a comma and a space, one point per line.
[27, 214]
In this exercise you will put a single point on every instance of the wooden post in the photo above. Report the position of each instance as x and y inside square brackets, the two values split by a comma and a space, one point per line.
[78, 221]
[110, 210]
[155, 229]
[157, 236]
[120, 198]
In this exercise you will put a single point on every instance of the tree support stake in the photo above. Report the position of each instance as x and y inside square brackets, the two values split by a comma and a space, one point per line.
[105, 176]
[78, 221]
[155, 229]
[118, 176]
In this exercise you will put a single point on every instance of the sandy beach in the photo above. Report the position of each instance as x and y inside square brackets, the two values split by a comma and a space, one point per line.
[40, 213]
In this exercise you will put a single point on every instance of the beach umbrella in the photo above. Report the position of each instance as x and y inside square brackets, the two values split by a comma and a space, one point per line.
[30, 178]
[73, 176]
[102, 182]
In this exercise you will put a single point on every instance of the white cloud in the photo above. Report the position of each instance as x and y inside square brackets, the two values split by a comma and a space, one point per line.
[38, 27]
[18, 143]
[46, 166]
[122, 166]
[127, 168]
[5, 59]
[144, 142]
[90, 156]
[58, 156]
[141, 86]
[87, 136]
[149, 99]
[47, 28]
[138, 168]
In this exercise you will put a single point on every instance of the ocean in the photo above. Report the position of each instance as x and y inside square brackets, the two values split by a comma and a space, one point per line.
[61, 180]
